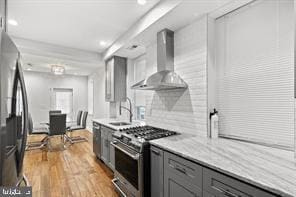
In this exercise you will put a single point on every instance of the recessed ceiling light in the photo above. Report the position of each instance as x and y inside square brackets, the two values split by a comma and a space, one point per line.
[142, 2]
[29, 69]
[103, 43]
[13, 22]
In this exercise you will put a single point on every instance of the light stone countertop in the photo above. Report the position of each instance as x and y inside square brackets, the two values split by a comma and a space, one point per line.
[106, 121]
[268, 168]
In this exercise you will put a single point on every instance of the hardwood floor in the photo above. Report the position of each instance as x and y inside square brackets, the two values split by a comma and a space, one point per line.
[71, 172]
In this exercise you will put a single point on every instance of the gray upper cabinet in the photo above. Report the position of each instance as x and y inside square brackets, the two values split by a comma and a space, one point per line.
[116, 71]
[156, 159]
[2, 13]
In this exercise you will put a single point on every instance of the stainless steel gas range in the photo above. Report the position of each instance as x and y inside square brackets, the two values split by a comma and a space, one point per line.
[132, 159]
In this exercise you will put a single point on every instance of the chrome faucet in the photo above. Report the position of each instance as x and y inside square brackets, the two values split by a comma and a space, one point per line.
[128, 109]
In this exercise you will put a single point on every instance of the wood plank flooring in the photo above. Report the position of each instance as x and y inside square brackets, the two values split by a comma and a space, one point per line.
[71, 172]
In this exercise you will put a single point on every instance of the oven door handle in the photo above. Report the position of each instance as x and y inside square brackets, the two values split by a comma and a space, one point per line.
[134, 157]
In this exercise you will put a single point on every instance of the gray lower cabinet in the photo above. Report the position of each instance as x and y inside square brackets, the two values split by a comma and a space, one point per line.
[174, 176]
[206, 194]
[111, 152]
[97, 139]
[174, 186]
[108, 154]
[181, 177]
[104, 145]
[218, 185]
[156, 158]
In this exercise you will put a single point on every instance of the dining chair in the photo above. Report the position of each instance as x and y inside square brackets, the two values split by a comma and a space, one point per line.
[77, 123]
[43, 131]
[82, 126]
[55, 112]
[57, 126]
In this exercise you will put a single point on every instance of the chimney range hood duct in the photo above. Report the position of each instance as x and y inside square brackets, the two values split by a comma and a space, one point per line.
[165, 78]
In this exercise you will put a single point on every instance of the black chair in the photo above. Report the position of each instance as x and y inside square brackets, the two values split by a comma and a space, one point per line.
[78, 120]
[57, 126]
[55, 112]
[43, 131]
[78, 127]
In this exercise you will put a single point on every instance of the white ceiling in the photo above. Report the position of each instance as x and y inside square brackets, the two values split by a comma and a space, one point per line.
[183, 14]
[79, 24]
[68, 32]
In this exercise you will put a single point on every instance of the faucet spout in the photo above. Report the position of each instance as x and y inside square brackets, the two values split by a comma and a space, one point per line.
[128, 109]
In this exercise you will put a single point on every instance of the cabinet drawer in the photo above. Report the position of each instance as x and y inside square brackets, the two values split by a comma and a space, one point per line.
[183, 168]
[221, 185]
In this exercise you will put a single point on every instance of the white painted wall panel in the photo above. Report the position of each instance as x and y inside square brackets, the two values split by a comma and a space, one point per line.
[39, 85]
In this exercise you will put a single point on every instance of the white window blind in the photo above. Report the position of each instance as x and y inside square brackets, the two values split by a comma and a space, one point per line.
[64, 101]
[255, 73]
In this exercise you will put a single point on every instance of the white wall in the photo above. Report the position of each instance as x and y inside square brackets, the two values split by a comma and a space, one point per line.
[39, 85]
[101, 107]
[183, 111]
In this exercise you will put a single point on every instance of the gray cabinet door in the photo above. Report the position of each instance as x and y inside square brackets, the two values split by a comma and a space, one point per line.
[206, 194]
[181, 177]
[97, 140]
[174, 186]
[111, 152]
[2, 13]
[105, 145]
[115, 81]
[156, 156]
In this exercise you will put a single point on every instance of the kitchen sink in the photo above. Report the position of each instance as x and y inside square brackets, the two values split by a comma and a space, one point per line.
[119, 123]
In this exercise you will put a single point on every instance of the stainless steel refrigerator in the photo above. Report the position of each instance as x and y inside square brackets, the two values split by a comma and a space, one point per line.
[14, 113]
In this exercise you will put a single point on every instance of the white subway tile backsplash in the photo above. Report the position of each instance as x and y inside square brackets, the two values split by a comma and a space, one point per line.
[183, 111]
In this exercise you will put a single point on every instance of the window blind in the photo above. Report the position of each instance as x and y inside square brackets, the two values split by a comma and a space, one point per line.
[255, 73]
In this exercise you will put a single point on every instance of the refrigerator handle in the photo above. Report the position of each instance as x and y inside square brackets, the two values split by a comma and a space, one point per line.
[20, 78]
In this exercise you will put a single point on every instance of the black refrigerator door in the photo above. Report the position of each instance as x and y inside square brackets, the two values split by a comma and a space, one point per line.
[13, 116]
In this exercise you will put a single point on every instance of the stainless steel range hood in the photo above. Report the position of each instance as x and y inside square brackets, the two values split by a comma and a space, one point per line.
[165, 78]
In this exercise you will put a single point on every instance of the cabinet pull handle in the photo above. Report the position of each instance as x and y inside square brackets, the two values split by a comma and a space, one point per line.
[182, 170]
[226, 192]
[155, 152]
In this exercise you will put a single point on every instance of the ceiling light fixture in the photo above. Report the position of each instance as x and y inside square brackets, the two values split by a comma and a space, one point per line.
[57, 69]
[12, 22]
[28, 69]
[103, 43]
[142, 2]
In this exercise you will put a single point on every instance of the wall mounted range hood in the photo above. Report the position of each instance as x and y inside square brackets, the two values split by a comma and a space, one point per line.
[165, 78]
